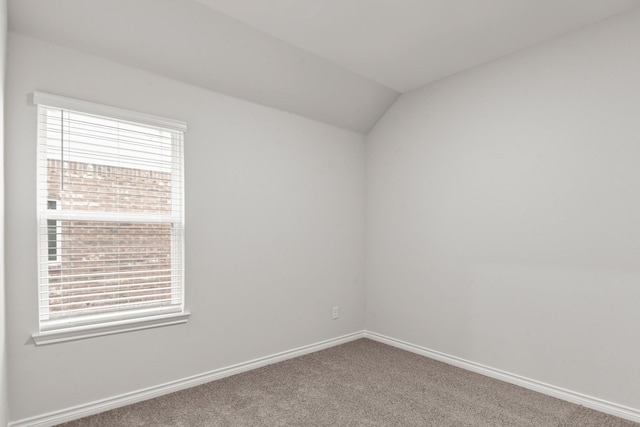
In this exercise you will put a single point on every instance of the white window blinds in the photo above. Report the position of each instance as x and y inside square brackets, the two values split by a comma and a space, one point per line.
[110, 214]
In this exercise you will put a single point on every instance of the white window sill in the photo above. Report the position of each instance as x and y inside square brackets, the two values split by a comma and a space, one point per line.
[115, 327]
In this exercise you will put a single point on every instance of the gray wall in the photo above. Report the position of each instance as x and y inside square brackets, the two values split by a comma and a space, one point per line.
[504, 219]
[4, 396]
[274, 234]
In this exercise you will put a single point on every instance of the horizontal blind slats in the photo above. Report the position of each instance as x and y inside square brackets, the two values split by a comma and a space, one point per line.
[104, 264]
[80, 303]
[147, 279]
[106, 288]
[109, 298]
[120, 306]
[168, 219]
[130, 134]
[132, 158]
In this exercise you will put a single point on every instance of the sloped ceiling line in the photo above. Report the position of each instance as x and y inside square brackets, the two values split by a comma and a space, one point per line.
[342, 62]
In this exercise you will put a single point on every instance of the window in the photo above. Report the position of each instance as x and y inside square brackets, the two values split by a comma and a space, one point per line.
[52, 234]
[110, 220]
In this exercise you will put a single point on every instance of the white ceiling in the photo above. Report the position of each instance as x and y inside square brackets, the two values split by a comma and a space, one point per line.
[405, 44]
[343, 62]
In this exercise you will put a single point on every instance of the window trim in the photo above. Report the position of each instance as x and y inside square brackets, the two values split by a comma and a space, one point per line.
[108, 328]
[110, 323]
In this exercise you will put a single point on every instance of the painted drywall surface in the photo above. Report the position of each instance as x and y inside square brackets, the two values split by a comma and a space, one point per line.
[503, 217]
[274, 234]
[4, 393]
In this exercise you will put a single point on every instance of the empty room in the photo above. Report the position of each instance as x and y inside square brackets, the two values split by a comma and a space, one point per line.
[320, 213]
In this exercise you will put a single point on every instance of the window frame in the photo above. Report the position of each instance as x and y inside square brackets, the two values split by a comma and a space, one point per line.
[51, 331]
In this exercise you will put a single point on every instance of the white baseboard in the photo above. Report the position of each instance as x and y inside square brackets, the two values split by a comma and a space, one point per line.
[57, 417]
[558, 392]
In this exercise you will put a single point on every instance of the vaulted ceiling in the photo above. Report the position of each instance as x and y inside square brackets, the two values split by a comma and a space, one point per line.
[343, 62]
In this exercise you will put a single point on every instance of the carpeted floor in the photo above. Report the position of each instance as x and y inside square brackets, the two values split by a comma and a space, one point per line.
[362, 383]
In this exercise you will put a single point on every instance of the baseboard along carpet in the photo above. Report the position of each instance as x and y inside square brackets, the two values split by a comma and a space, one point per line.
[361, 383]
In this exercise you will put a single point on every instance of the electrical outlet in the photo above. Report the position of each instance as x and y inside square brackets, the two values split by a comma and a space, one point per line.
[335, 313]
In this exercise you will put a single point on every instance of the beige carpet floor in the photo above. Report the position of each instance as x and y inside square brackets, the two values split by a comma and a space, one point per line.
[361, 383]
